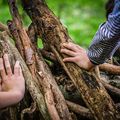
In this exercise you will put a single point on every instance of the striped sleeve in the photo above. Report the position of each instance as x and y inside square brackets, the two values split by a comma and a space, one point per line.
[106, 40]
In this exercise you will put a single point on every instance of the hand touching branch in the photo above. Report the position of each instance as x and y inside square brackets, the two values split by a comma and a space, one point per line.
[77, 55]
[12, 83]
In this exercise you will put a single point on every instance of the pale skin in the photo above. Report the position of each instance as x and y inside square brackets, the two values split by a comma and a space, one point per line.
[12, 83]
[77, 55]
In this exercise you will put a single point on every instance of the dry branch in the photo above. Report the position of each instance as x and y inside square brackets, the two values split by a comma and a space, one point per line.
[79, 110]
[4, 28]
[53, 34]
[114, 69]
[48, 55]
[57, 109]
[111, 88]
[30, 82]
[40, 79]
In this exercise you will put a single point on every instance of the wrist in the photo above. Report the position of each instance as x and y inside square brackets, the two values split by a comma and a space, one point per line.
[10, 98]
[90, 65]
[17, 95]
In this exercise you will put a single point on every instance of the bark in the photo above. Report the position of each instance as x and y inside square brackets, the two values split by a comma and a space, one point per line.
[31, 85]
[53, 34]
[112, 89]
[79, 110]
[4, 28]
[48, 55]
[114, 69]
[54, 99]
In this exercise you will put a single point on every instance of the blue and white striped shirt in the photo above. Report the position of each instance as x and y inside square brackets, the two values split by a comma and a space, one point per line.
[106, 41]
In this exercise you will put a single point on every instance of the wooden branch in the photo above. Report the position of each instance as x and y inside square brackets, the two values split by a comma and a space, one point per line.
[40, 70]
[49, 97]
[29, 110]
[32, 86]
[48, 55]
[53, 34]
[15, 35]
[79, 110]
[114, 69]
[32, 33]
[51, 90]
[22, 36]
[4, 28]
[111, 88]
[118, 106]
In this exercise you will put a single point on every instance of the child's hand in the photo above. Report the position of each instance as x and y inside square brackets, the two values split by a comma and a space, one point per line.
[11, 81]
[77, 55]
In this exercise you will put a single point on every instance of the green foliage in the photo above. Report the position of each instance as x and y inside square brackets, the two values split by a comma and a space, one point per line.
[81, 17]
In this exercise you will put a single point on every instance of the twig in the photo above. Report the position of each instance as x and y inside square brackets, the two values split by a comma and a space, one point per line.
[48, 55]
[29, 110]
[4, 28]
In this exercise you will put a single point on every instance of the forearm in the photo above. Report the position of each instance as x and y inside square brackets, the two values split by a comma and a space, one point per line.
[9, 98]
[99, 52]
[107, 37]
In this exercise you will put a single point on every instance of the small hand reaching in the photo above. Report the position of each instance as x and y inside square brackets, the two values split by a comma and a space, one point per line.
[77, 55]
[12, 83]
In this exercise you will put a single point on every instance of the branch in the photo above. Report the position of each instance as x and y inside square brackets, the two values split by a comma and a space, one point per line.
[48, 55]
[112, 89]
[79, 109]
[40, 71]
[4, 28]
[114, 69]
[53, 34]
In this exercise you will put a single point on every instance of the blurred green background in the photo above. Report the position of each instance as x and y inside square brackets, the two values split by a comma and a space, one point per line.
[81, 17]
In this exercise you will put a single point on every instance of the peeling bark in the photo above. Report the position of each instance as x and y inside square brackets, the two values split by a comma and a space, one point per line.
[53, 34]
[43, 98]
[57, 109]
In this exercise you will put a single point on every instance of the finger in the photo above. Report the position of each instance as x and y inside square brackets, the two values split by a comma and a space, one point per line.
[0, 81]
[79, 47]
[69, 59]
[7, 64]
[68, 52]
[2, 69]
[70, 46]
[21, 73]
[17, 68]
[0, 84]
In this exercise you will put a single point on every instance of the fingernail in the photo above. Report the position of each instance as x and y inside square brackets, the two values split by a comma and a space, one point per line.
[63, 60]
[17, 62]
[64, 44]
[5, 55]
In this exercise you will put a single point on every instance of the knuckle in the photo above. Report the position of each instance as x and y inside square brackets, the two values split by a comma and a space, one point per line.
[16, 68]
[1, 67]
[76, 59]
[69, 44]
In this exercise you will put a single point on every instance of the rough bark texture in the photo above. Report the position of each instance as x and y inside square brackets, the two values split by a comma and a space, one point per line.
[50, 82]
[53, 34]
[54, 99]
[114, 69]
